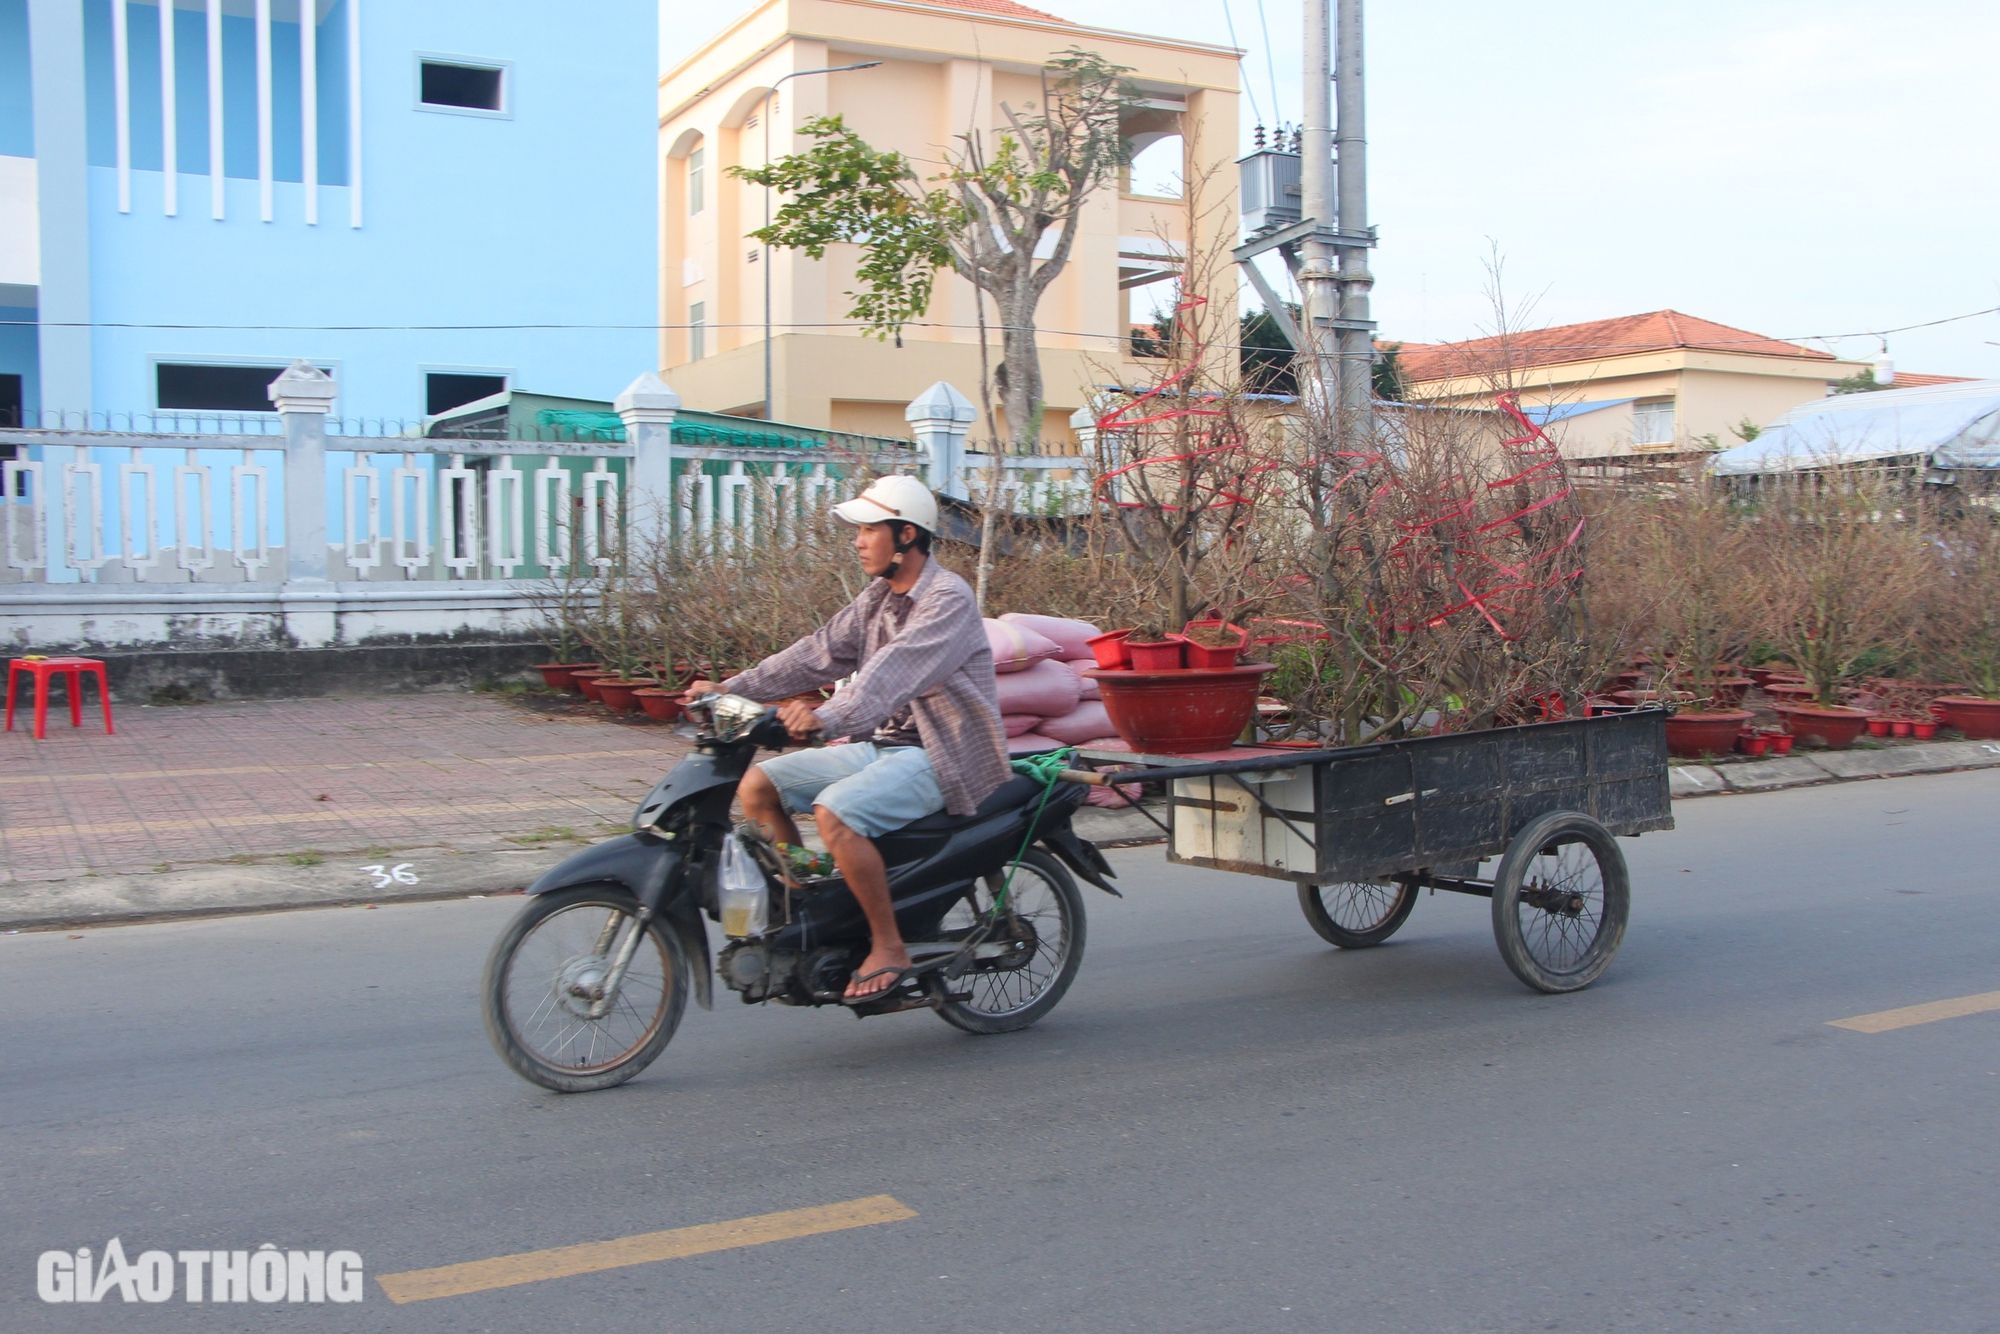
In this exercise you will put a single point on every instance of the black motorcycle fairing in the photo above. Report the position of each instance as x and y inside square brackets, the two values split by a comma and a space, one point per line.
[711, 773]
[684, 919]
[1081, 856]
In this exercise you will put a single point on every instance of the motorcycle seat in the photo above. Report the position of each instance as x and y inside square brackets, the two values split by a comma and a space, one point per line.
[1016, 792]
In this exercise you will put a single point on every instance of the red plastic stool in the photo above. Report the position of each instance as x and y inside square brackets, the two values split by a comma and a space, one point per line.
[42, 669]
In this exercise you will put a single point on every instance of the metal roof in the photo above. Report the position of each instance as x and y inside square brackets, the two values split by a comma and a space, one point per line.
[1947, 425]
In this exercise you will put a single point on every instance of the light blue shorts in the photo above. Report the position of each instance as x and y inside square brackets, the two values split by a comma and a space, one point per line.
[873, 789]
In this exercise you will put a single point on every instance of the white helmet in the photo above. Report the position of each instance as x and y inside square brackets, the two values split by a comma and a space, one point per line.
[893, 500]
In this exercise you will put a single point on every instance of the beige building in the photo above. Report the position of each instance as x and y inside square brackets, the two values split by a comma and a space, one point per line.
[946, 68]
[1662, 382]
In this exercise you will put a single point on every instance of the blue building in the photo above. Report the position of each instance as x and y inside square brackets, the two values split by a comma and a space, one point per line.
[432, 200]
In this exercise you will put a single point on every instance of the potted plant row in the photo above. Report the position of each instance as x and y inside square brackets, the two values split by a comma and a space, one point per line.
[1177, 694]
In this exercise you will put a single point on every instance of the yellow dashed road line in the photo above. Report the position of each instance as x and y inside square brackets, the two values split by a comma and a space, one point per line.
[1885, 1020]
[507, 1271]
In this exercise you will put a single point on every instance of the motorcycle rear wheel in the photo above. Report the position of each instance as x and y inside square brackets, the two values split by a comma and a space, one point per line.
[1044, 894]
[534, 995]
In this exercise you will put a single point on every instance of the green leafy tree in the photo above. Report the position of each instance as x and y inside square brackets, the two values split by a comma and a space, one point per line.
[988, 216]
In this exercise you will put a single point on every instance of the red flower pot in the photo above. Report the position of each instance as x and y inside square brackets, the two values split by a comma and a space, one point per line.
[1878, 727]
[616, 693]
[1786, 692]
[1110, 648]
[1690, 735]
[1752, 743]
[664, 705]
[1834, 728]
[586, 683]
[1214, 659]
[1899, 727]
[1978, 718]
[1924, 730]
[556, 675]
[1781, 742]
[1180, 712]
[1167, 656]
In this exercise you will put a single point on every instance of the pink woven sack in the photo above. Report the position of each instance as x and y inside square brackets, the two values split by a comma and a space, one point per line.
[1086, 685]
[1045, 689]
[1017, 648]
[1086, 722]
[1028, 743]
[1017, 723]
[1070, 636]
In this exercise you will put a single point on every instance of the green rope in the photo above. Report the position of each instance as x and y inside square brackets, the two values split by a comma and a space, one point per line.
[1044, 770]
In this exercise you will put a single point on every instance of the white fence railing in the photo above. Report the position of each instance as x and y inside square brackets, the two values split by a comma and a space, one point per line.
[83, 506]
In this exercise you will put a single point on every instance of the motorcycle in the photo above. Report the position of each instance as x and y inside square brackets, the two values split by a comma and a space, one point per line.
[585, 988]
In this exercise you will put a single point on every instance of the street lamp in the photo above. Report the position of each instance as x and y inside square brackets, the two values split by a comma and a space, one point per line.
[766, 117]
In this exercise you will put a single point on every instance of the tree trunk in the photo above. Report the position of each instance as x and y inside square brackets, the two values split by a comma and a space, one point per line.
[1020, 368]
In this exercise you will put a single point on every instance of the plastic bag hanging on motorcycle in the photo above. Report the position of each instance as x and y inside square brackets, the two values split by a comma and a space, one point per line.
[746, 894]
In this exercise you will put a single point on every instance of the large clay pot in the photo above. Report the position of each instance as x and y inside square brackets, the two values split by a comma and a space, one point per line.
[1787, 692]
[1180, 712]
[586, 683]
[557, 675]
[1729, 691]
[1692, 735]
[1833, 728]
[664, 705]
[617, 693]
[1978, 718]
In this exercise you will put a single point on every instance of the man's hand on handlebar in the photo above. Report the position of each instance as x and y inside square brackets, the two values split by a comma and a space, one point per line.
[696, 689]
[799, 720]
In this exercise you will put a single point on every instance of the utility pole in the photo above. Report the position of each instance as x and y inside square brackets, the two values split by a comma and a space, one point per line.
[1356, 331]
[1317, 274]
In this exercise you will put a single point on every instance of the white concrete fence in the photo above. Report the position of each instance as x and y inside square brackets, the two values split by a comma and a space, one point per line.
[154, 538]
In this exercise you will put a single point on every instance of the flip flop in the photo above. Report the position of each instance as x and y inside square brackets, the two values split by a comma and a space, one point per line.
[898, 974]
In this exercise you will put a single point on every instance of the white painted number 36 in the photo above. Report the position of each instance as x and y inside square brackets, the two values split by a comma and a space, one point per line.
[385, 876]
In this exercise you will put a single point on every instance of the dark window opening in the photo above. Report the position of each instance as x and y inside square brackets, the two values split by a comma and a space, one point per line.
[192, 388]
[10, 404]
[444, 392]
[461, 86]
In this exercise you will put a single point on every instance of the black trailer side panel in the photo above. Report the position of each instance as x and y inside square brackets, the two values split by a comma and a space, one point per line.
[1431, 802]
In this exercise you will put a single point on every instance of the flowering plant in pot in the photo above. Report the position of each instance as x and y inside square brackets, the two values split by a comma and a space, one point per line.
[562, 601]
[1960, 638]
[1690, 554]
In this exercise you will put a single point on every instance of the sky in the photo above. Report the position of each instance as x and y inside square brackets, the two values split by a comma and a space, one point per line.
[1798, 168]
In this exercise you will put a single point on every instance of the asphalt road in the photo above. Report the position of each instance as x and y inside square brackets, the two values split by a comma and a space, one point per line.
[1225, 1126]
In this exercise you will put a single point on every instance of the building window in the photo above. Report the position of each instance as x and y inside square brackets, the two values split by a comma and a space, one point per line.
[1653, 423]
[696, 191]
[196, 388]
[697, 331]
[461, 86]
[10, 406]
[444, 391]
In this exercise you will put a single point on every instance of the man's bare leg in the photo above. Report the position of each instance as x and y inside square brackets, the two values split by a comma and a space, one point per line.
[762, 803]
[861, 866]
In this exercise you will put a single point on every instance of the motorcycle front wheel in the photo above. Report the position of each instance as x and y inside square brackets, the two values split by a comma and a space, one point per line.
[1048, 907]
[543, 994]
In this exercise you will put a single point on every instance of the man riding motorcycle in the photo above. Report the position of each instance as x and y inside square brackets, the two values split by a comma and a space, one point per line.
[922, 712]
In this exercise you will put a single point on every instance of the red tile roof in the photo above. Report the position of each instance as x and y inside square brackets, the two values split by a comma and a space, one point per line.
[1915, 380]
[1004, 7]
[1655, 331]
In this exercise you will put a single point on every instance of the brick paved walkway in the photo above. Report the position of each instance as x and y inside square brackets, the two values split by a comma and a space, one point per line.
[272, 777]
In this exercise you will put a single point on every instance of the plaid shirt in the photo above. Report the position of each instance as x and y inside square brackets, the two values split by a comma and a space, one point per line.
[937, 662]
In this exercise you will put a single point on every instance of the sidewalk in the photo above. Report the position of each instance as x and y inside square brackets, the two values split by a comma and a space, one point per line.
[276, 779]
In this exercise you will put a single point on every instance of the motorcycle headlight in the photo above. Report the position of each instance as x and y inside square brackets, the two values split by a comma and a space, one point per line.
[730, 715]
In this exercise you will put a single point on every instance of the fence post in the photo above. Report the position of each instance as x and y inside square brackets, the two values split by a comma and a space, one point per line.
[647, 408]
[940, 417]
[303, 395]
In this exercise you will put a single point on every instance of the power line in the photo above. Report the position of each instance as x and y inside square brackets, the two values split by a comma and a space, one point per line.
[1270, 69]
[1248, 89]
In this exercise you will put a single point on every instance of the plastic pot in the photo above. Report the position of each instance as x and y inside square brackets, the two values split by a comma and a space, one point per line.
[1781, 742]
[1691, 735]
[1924, 729]
[1752, 743]
[557, 675]
[586, 683]
[1110, 649]
[1834, 728]
[1214, 659]
[1978, 718]
[1168, 656]
[1878, 727]
[1180, 712]
[1899, 727]
[664, 705]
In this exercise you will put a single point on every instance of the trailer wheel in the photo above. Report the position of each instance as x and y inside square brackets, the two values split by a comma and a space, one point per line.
[1560, 901]
[1357, 914]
